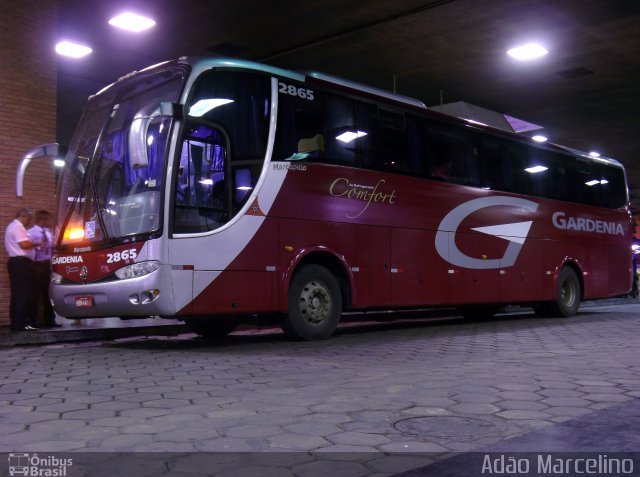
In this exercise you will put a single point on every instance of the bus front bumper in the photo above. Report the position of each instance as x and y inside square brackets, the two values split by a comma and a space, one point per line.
[149, 295]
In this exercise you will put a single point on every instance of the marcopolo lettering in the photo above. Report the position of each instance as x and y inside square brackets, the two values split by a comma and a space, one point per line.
[66, 259]
[562, 221]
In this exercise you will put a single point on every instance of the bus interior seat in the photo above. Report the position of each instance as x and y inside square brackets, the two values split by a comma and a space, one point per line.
[313, 146]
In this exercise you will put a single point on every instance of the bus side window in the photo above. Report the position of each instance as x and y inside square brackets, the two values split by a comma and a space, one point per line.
[492, 169]
[548, 173]
[344, 135]
[201, 201]
[600, 184]
[451, 155]
[613, 187]
[589, 178]
[515, 163]
[300, 129]
[388, 141]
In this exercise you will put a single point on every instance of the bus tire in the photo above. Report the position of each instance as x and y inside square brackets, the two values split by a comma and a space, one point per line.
[315, 304]
[568, 293]
[213, 327]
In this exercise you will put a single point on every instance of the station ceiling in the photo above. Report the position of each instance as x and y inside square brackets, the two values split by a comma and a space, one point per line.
[585, 92]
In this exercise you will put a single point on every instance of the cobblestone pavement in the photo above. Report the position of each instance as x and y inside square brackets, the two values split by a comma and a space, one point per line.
[420, 387]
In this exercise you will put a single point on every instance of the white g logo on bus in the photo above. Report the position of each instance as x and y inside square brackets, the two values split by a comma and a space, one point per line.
[516, 233]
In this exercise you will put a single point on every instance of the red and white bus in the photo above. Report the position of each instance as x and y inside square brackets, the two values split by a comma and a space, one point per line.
[211, 190]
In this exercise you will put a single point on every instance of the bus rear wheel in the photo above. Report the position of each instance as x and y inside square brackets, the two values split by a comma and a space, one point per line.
[315, 304]
[568, 293]
[212, 327]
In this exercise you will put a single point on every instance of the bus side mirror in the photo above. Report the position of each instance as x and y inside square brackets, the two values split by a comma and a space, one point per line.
[138, 132]
[52, 150]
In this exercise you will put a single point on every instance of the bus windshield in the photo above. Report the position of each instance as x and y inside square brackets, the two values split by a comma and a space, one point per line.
[113, 176]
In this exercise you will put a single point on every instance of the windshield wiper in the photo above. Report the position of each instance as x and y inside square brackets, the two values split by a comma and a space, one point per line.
[74, 202]
[98, 208]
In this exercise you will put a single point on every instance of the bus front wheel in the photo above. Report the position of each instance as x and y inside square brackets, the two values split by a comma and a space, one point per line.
[315, 304]
[568, 293]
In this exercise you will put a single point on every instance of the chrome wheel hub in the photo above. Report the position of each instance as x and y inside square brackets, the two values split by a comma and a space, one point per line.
[315, 302]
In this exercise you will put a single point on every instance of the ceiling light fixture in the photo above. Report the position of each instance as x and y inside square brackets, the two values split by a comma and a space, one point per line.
[539, 138]
[529, 51]
[72, 50]
[132, 22]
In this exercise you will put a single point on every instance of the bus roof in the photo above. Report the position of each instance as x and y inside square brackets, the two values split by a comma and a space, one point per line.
[363, 88]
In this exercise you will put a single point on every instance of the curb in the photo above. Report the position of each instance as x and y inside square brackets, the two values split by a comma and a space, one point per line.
[49, 336]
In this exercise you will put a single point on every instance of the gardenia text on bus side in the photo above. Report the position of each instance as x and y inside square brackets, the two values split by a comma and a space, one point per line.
[561, 221]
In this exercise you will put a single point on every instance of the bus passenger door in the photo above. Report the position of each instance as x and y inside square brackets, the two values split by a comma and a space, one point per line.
[380, 266]
[181, 276]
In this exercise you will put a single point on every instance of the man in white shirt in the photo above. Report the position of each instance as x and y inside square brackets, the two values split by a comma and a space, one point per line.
[40, 234]
[21, 251]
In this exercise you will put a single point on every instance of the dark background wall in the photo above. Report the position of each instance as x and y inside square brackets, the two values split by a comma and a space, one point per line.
[27, 112]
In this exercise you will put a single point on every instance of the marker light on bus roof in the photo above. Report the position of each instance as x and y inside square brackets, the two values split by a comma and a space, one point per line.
[539, 138]
[536, 169]
[529, 51]
[594, 154]
[350, 136]
[473, 121]
[203, 106]
[132, 22]
[72, 50]
[58, 162]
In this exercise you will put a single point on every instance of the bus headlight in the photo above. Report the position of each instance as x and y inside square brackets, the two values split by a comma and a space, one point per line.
[137, 269]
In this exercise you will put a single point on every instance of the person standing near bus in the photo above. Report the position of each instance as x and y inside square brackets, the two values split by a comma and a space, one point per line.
[40, 234]
[21, 269]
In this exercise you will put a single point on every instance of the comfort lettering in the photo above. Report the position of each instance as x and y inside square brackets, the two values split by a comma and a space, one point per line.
[342, 187]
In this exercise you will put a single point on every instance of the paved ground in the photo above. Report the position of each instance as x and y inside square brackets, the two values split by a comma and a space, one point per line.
[384, 391]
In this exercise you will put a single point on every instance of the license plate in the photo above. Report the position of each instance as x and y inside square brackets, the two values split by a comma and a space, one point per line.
[84, 301]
